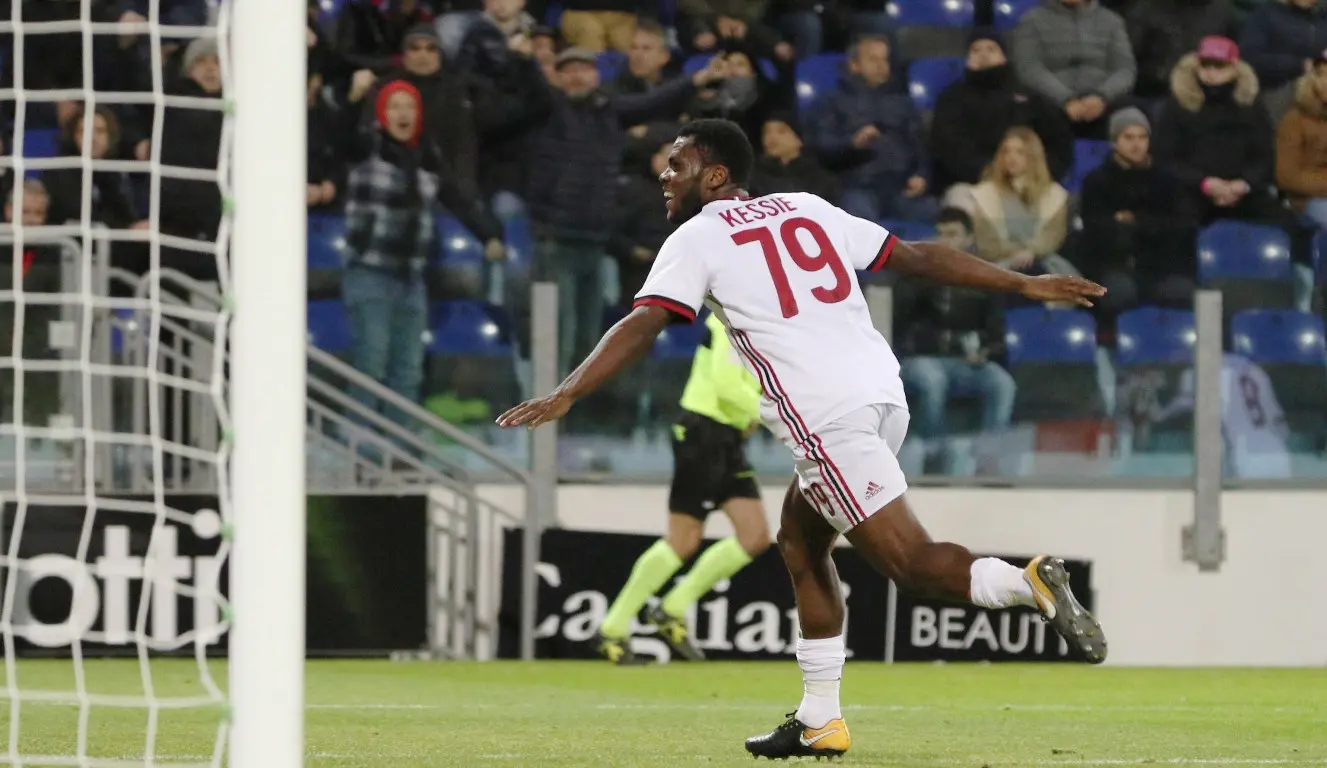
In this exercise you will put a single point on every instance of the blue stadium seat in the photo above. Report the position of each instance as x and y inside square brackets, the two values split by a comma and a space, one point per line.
[696, 63]
[328, 13]
[1279, 336]
[1008, 12]
[456, 244]
[466, 327]
[1155, 336]
[326, 236]
[41, 142]
[553, 15]
[329, 326]
[1233, 249]
[1320, 257]
[1249, 264]
[1052, 355]
[611, 64]
[816, 75]
[930, 13]
[1088, 156]
[1039, 335]
[910, 230]
[928, 77]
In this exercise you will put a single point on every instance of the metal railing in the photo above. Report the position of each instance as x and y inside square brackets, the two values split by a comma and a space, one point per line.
[124, 342]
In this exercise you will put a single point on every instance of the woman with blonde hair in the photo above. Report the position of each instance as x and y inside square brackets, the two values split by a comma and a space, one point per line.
[1019, 213]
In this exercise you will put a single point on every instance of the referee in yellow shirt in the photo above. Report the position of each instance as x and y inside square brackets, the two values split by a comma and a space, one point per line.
[720, 409]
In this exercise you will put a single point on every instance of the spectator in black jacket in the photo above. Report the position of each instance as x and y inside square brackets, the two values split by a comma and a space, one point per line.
[1162, 31]
[948, 339]
[973, 115]
[326, 168]
[191, 138]
[1215, 138]
[391, 192]
[370, 33]
[872, 134]
[571, 195]
[1278, 37]
[640, 230]
[650, 64]
[512, 101]
[784, 167]
[111, 201]
[448, 108]
[1137, 242]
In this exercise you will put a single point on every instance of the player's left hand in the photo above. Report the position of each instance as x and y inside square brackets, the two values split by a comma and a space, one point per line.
[1070, 288]
[533, 413]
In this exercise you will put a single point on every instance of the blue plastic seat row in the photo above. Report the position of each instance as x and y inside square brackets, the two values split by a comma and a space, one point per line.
[454, 328]
[327, 232]
[1156, 336]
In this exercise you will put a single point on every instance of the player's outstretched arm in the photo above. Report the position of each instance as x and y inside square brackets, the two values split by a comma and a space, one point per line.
[948, 266]
[624, 343]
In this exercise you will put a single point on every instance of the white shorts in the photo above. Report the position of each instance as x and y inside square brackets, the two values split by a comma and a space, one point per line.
[849, 469]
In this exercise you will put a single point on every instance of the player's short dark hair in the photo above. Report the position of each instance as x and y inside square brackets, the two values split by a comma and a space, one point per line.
[952, 215]
[722, 142]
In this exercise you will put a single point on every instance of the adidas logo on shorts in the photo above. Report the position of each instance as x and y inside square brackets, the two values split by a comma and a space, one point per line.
[871, 490]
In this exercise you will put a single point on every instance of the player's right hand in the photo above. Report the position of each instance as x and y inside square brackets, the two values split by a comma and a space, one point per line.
[540, 410]
[1069, 288]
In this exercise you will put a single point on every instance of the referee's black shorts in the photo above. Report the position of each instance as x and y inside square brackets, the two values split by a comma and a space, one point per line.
[709, 467]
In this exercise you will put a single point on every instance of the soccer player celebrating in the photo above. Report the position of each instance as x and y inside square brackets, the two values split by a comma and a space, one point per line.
[778, 271]
[721, 408]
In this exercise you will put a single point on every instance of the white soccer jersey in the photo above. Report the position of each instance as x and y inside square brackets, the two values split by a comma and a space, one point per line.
[780, 272]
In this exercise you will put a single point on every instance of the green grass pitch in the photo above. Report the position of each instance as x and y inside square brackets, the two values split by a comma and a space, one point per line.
[403, 715]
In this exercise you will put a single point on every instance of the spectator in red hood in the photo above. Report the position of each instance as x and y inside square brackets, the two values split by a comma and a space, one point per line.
[391, 192]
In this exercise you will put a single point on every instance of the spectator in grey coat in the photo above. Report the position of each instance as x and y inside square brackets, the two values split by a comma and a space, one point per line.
[1077, 54]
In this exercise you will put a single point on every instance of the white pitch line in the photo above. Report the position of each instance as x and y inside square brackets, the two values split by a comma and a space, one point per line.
[684, 706]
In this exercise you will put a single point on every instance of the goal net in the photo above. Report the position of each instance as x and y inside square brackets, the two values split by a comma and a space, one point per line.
[149, 337]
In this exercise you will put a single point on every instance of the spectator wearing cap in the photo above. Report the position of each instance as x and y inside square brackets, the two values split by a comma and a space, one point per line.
[1162, 31]
[1077, 54]
[871, 133]
[1301, 144]
[571, 196]
[1215, 138]
[973, 115]
[745, 96]
[1278, 37]
[191, 138]
[783, 166]
[370, 33]
[1136, 240]
[396, 178]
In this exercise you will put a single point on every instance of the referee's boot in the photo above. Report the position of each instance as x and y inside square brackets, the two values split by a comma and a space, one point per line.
[616, 650]
[1050, 587]
[795, 739]
[674, 632]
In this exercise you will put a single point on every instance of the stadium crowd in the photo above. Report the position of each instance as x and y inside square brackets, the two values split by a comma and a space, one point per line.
[1083, 136]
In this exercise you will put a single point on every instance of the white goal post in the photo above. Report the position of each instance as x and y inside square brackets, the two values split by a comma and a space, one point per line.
[267, 389]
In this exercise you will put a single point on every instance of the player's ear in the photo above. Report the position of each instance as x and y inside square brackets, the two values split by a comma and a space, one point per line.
[716, 176]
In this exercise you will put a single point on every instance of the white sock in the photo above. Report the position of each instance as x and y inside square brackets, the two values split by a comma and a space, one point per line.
[822, 668]
[997, 584]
